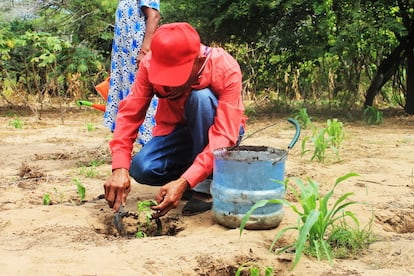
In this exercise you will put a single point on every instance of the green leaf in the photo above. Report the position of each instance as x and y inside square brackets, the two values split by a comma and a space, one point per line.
[327, 251]
[280, 234]
[303, 235]
[344, 177]
[246, 217]
[46, 199]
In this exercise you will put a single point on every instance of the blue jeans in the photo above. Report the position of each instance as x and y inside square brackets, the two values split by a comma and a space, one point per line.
[166, 158]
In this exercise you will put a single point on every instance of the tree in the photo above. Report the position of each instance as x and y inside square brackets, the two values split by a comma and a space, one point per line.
[401, 56]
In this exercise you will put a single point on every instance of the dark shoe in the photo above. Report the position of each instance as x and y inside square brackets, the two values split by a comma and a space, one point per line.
[187, 195]
[196, 206]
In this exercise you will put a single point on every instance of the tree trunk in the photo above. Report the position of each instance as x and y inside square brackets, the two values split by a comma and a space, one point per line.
[409, 99]
[385, 71]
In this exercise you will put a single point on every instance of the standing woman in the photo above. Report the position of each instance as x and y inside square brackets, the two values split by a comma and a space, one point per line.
[135, 23]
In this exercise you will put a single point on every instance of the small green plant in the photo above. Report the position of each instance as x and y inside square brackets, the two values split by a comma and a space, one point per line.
[330, 137]
[96, 162]
[80, 189]
[46, 199]
[144, 207]
[61, 195]
[347, 241]
[320, 145]
[304, 119]
[317, 223]
[89, 172]
[336, 135]
[373, 116]
[255, 269]
[90, 126]
[17, 123]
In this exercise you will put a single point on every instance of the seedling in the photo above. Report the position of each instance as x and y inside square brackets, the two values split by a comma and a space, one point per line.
[97, 162]
[80, 188]
[46, 199]
[90, 127]
[335, 131]
[89, 172]
[144, 207]
[303, 117]
[330, 137]
[317, 226]
[254, 269]
[17, 123]
[320, 145]
[61, 194]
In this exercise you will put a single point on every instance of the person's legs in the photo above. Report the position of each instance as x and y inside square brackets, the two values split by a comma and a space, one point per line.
[200, 111]
[163, 158]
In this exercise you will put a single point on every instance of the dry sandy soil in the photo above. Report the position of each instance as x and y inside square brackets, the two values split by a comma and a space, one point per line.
[70, 237]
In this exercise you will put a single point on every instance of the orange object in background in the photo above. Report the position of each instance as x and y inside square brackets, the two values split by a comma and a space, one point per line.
[100, 107]
[103, 88]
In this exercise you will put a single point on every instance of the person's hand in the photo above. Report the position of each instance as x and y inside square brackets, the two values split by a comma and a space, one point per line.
[117, 188]
[140, 56]
[169, 196]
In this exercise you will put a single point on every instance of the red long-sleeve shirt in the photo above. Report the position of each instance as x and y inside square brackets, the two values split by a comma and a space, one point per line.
[221, 74]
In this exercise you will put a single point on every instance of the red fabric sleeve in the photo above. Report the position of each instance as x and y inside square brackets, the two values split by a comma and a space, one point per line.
[226, 84]
[131, 115]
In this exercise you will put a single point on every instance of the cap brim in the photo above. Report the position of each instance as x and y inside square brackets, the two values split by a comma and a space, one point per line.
[172, 76]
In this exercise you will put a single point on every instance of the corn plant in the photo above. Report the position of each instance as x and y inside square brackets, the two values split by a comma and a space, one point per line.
[373, 116]
[336, 135]
[254, 269]
[303, 118]
[80, 188]
[330, 137]
[316, 221]
[320, 145]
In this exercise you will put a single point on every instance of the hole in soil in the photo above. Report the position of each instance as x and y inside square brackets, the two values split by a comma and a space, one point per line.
[169, 226]
[211, 266]
[400, 221]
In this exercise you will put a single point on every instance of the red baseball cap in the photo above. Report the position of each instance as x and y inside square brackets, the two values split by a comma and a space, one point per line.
[174, 48]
